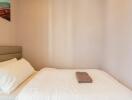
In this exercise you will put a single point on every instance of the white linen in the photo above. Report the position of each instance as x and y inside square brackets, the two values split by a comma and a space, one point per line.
[13, 74]
[7, 62]
[14, 94]
[60, 84]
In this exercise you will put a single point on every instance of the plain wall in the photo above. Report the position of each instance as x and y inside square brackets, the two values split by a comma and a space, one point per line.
[76, 33]
[7, 28]
[32, 30]
[88, 33]
[118, 40]
[61, 33]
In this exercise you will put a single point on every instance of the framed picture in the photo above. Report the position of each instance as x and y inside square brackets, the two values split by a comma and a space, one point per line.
[5, 9]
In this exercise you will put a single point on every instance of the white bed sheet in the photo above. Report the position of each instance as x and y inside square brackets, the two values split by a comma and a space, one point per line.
[14, 94]
[61, 84]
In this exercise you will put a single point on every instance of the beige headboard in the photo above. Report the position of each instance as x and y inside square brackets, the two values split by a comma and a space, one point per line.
[9, 52]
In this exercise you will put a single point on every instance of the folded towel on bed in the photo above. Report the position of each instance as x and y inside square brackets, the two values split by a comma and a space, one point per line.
[83, 77]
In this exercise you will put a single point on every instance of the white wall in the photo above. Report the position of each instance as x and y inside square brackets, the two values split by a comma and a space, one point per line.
[67, 33]
[118, 44]
[60, 35]
[32, 30]
[76, 33]
[7, 29]
[88, 32]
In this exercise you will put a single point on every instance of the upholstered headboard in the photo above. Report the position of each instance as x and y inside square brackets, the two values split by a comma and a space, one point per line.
[9, 52]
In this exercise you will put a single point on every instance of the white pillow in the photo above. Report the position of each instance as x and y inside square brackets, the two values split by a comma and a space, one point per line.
[7, 62]
[12, 75]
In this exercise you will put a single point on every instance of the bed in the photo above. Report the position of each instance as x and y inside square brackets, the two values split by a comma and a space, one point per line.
[6, 53]
[15, 93]
[61, 84]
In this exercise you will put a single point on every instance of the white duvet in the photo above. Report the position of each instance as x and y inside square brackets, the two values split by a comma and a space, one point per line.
[60, 84]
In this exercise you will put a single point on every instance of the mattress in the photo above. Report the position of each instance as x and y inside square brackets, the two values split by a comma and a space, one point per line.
[61, 84]
[15, 93]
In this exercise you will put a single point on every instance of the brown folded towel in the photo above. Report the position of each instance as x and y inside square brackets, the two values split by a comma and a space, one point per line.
[83, 77]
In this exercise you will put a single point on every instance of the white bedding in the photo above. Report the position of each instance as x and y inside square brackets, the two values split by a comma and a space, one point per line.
[60, 84]
[15, 93]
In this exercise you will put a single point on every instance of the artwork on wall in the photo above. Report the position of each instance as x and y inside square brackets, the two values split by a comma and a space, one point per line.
[5, 9]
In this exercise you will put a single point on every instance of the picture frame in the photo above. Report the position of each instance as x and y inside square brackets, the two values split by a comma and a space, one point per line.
[5, 9]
